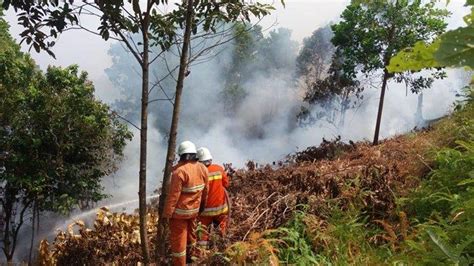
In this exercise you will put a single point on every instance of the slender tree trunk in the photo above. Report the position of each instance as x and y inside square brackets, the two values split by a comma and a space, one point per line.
[33, 223]
[419, 111]
[344, 107]
[379, 114]
[170, 155]
[143, 146]
[8, 209]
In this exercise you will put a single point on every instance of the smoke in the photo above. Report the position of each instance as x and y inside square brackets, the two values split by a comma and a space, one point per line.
[262, 127]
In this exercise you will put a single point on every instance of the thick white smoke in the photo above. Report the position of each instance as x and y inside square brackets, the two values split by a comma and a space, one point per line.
[268, 114]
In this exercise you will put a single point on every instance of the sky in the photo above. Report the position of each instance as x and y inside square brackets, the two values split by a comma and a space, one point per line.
[90, 51]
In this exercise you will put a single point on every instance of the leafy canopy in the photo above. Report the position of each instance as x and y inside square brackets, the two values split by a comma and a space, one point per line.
[44, 20]
[58, 139]
[451, 49]
[371, 33]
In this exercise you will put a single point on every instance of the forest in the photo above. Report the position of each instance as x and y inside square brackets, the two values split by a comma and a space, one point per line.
[351, 146]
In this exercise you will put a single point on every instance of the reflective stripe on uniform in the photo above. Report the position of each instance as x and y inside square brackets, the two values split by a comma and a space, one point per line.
[179, 254]
[193, 189]
[215, 210]
[214, 176]
[186, 212]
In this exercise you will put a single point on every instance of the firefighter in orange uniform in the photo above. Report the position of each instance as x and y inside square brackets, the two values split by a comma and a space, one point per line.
[186, 198]
[217, 208]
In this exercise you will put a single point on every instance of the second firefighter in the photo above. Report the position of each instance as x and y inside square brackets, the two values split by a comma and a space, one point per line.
[217, 208]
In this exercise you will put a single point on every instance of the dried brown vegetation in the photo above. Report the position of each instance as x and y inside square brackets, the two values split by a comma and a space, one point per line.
[265, 198]
[327, 150]
[115, 238]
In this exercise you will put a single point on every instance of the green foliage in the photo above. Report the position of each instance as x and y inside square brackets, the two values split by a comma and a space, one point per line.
[445, 206]
[433, 225]
[60, 140]
[456, 48]
[341, 238]
[344, 239]
[419, 57]
[46, 19]
[295, 246]
[233, 96]
[278, 50]
[370, 34]
[452, 49]
[57, 141]
[442, 208]
[460, 125]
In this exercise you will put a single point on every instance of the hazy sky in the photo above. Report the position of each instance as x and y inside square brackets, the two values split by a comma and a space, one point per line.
[90, 51]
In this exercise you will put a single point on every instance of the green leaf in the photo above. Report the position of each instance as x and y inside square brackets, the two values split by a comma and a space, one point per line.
[467, 181]
[443, 246]
[414, 245]
[417, 58]
[456, 48]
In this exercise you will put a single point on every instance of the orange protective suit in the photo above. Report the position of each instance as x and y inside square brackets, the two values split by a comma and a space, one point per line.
[187, 191]
[216, 209]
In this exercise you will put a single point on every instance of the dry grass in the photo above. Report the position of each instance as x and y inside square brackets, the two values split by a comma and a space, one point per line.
[265, 198]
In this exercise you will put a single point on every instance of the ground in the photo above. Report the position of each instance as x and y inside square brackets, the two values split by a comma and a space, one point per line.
[336, 203]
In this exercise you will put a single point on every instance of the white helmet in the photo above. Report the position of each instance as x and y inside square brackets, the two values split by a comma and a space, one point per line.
[186, 147]
[204, 154]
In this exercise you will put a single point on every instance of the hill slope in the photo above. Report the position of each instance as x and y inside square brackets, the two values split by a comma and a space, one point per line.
[409, 200]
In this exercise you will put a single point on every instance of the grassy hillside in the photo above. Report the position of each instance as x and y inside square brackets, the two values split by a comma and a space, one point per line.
[409, 200]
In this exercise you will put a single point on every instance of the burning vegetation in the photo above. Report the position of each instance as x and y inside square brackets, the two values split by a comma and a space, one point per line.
[301, 211]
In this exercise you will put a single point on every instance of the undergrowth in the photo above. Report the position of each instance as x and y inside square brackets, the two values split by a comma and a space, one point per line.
[414, 207]
[431, 225]
[443, 210]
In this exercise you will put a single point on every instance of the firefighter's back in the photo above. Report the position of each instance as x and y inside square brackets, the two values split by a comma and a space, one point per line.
[194, 178]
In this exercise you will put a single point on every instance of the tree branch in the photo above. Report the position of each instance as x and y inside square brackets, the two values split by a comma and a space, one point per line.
[80, 27]
[126, 120]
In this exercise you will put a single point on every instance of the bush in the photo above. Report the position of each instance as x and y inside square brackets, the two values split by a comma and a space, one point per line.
[444, 206]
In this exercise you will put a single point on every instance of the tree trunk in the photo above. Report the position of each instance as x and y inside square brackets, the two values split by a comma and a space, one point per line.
[8, 209]
[143, 147]
[30, 257]
[344, 107]
[379, 114]
[419, 120]
[170, 155]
